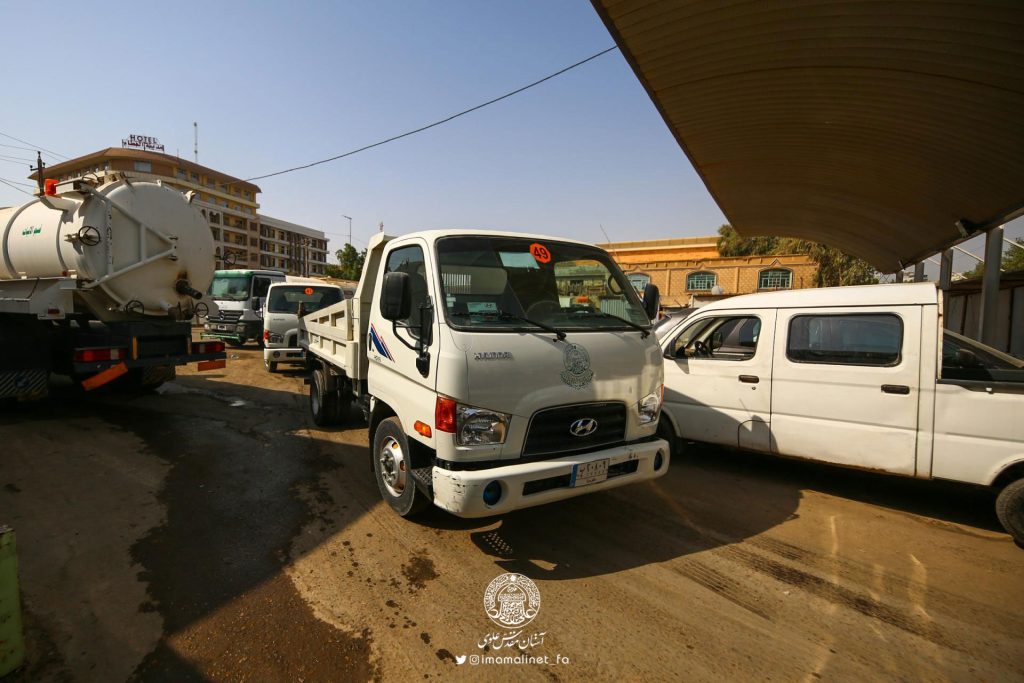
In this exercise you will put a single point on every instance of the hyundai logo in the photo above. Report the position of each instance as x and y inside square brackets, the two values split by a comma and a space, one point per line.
[585, 426]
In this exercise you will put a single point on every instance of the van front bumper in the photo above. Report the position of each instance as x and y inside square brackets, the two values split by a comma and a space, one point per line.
[461, 492]
[283, 355]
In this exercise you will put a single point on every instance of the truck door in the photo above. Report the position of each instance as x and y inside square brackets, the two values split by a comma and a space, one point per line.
[846, 386]
[394, 376]
[718, 378]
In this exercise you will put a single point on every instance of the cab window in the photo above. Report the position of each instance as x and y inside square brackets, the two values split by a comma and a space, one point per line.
[719, 338]
[409, 260]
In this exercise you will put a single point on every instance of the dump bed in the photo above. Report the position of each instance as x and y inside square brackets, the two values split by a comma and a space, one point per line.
[332, 334]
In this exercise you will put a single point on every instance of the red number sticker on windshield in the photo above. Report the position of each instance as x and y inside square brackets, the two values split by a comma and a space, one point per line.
[308, 291]
[540, 252]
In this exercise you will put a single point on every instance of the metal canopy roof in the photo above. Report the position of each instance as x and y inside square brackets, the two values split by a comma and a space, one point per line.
[873, 126]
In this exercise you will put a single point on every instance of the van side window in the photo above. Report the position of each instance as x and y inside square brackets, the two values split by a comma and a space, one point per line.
[410, 260]
[723, 338]
[853, 339]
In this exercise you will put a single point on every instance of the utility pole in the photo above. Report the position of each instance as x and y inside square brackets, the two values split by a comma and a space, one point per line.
[39, 167]
[195, 137]
[349, 228]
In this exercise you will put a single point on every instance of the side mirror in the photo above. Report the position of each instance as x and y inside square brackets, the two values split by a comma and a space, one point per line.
[652, 300]
[301, 312]
[255, 303]
[396, 297]
[965, 358]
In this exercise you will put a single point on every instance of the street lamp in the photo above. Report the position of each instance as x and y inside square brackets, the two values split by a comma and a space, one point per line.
[349, 227]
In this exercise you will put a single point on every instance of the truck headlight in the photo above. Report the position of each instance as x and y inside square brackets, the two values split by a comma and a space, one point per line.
[479, 426]
[649, 406]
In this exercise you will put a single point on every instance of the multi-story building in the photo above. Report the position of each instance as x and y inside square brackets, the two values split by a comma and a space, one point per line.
[292, 248]
[228, 204]
[690, 271]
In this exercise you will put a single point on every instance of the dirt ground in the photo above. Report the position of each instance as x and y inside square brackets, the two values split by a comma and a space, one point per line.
[210, 532]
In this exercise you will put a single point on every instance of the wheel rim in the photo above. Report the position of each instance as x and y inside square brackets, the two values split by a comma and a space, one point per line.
[393, 470]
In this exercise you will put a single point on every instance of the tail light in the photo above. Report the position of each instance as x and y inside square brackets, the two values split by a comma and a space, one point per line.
[208, 347]
[266, 335]
[99, 355]
[444, 415]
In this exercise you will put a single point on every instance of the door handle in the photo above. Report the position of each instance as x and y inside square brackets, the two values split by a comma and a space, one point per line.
[750, 379]
[895, 389]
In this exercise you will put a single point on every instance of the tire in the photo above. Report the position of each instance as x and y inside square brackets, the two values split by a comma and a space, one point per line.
[1010, 510]
[665, 431]
[235, 343]
[270, 365]
[392, 468]
[323, 404]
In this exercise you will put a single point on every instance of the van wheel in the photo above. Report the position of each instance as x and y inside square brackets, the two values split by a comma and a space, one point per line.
[392, 466]
[323, 404]
[666, 432]
[270, 365]
[1010, 510]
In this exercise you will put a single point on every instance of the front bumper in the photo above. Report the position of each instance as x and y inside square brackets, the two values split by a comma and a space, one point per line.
[535, 483]
[240, 330]
[283, 355]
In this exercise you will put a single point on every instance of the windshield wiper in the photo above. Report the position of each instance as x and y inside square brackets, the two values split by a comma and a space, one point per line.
[644, 331]
[503, 315]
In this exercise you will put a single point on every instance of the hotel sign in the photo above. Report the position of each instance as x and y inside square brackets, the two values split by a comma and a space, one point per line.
[143, 142]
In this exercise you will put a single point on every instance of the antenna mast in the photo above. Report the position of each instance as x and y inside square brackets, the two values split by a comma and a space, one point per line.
[195, 135]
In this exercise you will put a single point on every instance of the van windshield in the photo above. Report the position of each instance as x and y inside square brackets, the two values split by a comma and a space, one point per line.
[286, 298]
[230, 287]
[503, 283]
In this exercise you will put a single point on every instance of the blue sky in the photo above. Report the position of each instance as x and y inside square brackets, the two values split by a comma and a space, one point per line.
[274, 85]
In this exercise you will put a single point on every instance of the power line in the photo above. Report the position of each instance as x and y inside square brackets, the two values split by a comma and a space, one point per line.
[34, 147]
[15, 187]
[20, 182]
[437, 123]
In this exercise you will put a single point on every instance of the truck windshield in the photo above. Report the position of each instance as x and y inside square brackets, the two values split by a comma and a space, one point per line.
[502, 283]
[230, 288]
[287, 299]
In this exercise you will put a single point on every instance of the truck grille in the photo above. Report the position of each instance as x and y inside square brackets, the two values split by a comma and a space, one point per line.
[550, 432]
[227, 317]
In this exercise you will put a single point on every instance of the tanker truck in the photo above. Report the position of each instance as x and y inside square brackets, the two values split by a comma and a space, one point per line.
[100, 278]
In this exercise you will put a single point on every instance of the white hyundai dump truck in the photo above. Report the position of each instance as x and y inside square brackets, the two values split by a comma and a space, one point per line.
[496, 371]
[99, 280]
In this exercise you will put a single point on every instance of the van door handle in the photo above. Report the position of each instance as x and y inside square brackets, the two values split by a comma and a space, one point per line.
[896, 389]
[750, 379]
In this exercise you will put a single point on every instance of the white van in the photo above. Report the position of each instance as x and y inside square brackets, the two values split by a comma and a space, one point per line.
[857, 376]
[285, 301]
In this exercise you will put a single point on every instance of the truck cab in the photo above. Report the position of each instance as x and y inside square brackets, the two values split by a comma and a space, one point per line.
[497, 371]
[286, 301]
[239, 297]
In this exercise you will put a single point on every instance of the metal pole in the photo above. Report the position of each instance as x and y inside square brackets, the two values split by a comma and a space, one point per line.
[899, 275]
[988, 322]
[349, 228]
[919, 271]
[946, 277]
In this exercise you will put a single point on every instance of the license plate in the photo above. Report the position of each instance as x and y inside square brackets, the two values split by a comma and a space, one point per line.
[589, 472]
[222, 327]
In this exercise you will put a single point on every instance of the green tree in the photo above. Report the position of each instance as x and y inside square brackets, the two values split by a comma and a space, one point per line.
[350, 263]
[1013, 259]
[835, 268]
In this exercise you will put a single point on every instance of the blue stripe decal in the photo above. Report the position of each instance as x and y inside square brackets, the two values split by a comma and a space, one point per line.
[378, 343]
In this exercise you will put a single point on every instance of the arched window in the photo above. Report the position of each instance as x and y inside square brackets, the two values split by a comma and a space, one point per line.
[775, 278]
[701, 281]
[639, 281]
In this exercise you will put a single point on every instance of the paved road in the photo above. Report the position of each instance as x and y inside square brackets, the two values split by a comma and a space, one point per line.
[209, 532]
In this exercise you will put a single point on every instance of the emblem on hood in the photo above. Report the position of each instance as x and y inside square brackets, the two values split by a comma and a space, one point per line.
[584, 426]
[577, 373]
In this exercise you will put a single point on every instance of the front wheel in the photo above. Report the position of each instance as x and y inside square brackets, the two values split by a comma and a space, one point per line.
[1010, 510]
[270, 365]
[665, 431]
[392, 465]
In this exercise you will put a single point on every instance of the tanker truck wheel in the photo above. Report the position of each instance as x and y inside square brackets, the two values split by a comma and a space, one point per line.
[1010, 510]
[392, 466]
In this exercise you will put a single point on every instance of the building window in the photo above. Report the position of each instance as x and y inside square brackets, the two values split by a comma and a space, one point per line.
[701, 282]
[195, 177]
[639, 281]
[143, 167]
[776, 278]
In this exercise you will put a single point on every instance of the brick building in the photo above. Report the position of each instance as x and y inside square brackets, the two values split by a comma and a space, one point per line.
[690, 271]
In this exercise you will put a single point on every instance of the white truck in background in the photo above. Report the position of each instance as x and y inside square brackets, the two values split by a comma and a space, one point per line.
[496, 371]
[859, 376]
[99, 279]
[286, 303]
[238, 297]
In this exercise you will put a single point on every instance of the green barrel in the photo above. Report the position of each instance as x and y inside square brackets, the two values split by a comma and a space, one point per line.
[12, 643]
